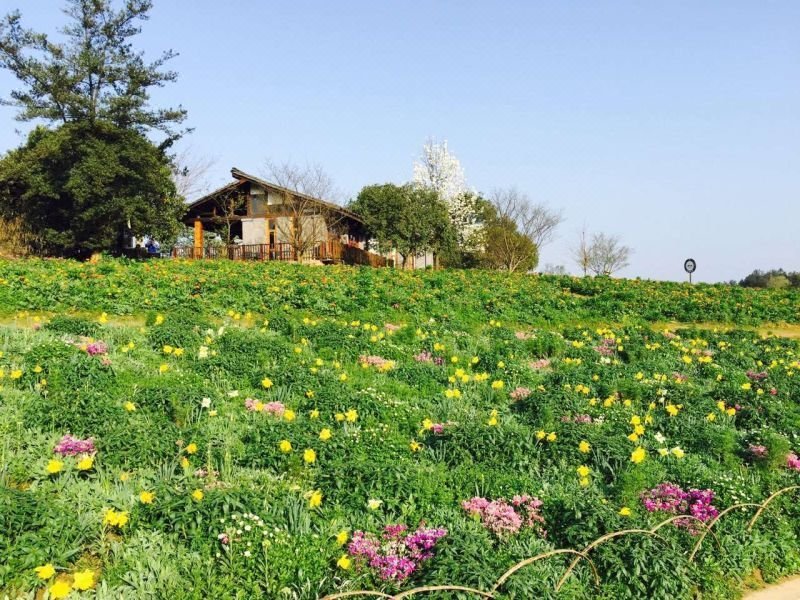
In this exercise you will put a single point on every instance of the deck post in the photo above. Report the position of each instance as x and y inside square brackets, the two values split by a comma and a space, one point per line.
[198, 238]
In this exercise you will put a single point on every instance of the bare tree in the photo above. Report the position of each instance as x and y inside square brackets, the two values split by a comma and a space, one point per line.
[537, 222]
[190, 173]
[607, 254]
[582, 252]
[227, 210]
[306, 204]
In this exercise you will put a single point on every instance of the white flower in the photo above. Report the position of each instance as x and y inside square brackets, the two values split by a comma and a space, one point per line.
[247, 553]
[660, 438]
[206, 402]
[233, 394]
[374, 504]
[202, 352]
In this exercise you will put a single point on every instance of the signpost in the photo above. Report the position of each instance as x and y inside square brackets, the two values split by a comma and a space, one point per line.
[689, 266]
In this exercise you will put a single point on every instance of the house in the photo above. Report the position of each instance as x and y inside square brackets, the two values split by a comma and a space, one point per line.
[259, 220]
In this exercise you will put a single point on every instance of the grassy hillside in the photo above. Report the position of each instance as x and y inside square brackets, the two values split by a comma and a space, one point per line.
[219, 430]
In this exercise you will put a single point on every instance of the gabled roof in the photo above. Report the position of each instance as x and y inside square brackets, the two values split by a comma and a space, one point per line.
[241, 178]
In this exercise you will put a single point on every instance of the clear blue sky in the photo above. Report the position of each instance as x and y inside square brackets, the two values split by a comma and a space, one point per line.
[675, 125]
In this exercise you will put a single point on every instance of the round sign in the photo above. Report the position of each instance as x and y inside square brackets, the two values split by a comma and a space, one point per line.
[689, 266]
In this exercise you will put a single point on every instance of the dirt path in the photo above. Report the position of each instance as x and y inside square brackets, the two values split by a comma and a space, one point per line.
[788, 590]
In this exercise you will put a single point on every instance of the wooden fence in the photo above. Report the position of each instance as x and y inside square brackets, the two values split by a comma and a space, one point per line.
[329, 252]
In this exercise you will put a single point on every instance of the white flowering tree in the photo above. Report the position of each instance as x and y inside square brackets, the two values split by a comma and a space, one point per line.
[439, 170]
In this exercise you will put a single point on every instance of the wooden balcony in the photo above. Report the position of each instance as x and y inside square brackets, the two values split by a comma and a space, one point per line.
[331, 252]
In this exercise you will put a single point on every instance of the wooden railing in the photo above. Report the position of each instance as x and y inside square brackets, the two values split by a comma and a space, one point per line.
[327, 252]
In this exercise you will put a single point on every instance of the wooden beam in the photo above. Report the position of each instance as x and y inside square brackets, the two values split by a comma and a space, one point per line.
[198, 238]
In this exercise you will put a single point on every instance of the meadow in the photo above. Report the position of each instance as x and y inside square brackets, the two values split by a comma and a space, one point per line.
[230, 430]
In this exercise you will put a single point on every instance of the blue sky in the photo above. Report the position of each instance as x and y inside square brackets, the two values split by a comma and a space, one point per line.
[675, 125]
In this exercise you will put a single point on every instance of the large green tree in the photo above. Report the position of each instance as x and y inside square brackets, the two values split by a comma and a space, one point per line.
[78, 186]
[75, 186]
[92, 73]
[410, 219]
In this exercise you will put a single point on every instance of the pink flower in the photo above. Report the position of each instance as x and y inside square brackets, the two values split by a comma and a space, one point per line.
[793, 461]
[520, 393]
[503, 518]
[538, 365]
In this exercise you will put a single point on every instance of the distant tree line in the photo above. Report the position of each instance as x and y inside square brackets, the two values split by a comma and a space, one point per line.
[775, 278]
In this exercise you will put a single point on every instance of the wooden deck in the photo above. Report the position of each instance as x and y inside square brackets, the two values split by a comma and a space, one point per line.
[332, 252]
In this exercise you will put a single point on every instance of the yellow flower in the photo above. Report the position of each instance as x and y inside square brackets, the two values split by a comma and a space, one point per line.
[309, 393]
[341, 537]
[167, 349]
[184, 462]
[454, 359]
[374, 504]
[159, 319]
[146, 497]
[625, 511]
[163, 368]
[339, 417]
[54, 466]
[325, 434]
[83, 580]
[663, 451]
[85, 463]
[124, 476]
[351, 415]
[501, 365]
[672, 410]
[551, 437]
[129, 406]
[315, 500]
[634, 437]
[343, 377]
[711, 417]
[638, 455]
[289, 415]
[583, 471]
[45, 571]
[344, 562]
[198, 495]
[191, 448]
[309, 456]
[540, 435]
[114, 518]
[60, 589]
[678, 453]
[731, 411]
[635, 420]
[584, 447]
[313, 414]
[16, 373]
[266, 383]
[415, 446]
[285, 446]
[492, 421]
[746, 386]
[497, 385]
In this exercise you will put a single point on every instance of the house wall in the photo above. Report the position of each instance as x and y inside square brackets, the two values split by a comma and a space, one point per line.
[254, 230]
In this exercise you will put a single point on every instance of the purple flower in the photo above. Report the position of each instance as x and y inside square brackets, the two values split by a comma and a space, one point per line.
[671, 498]
[398, 553]
[72, 446]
